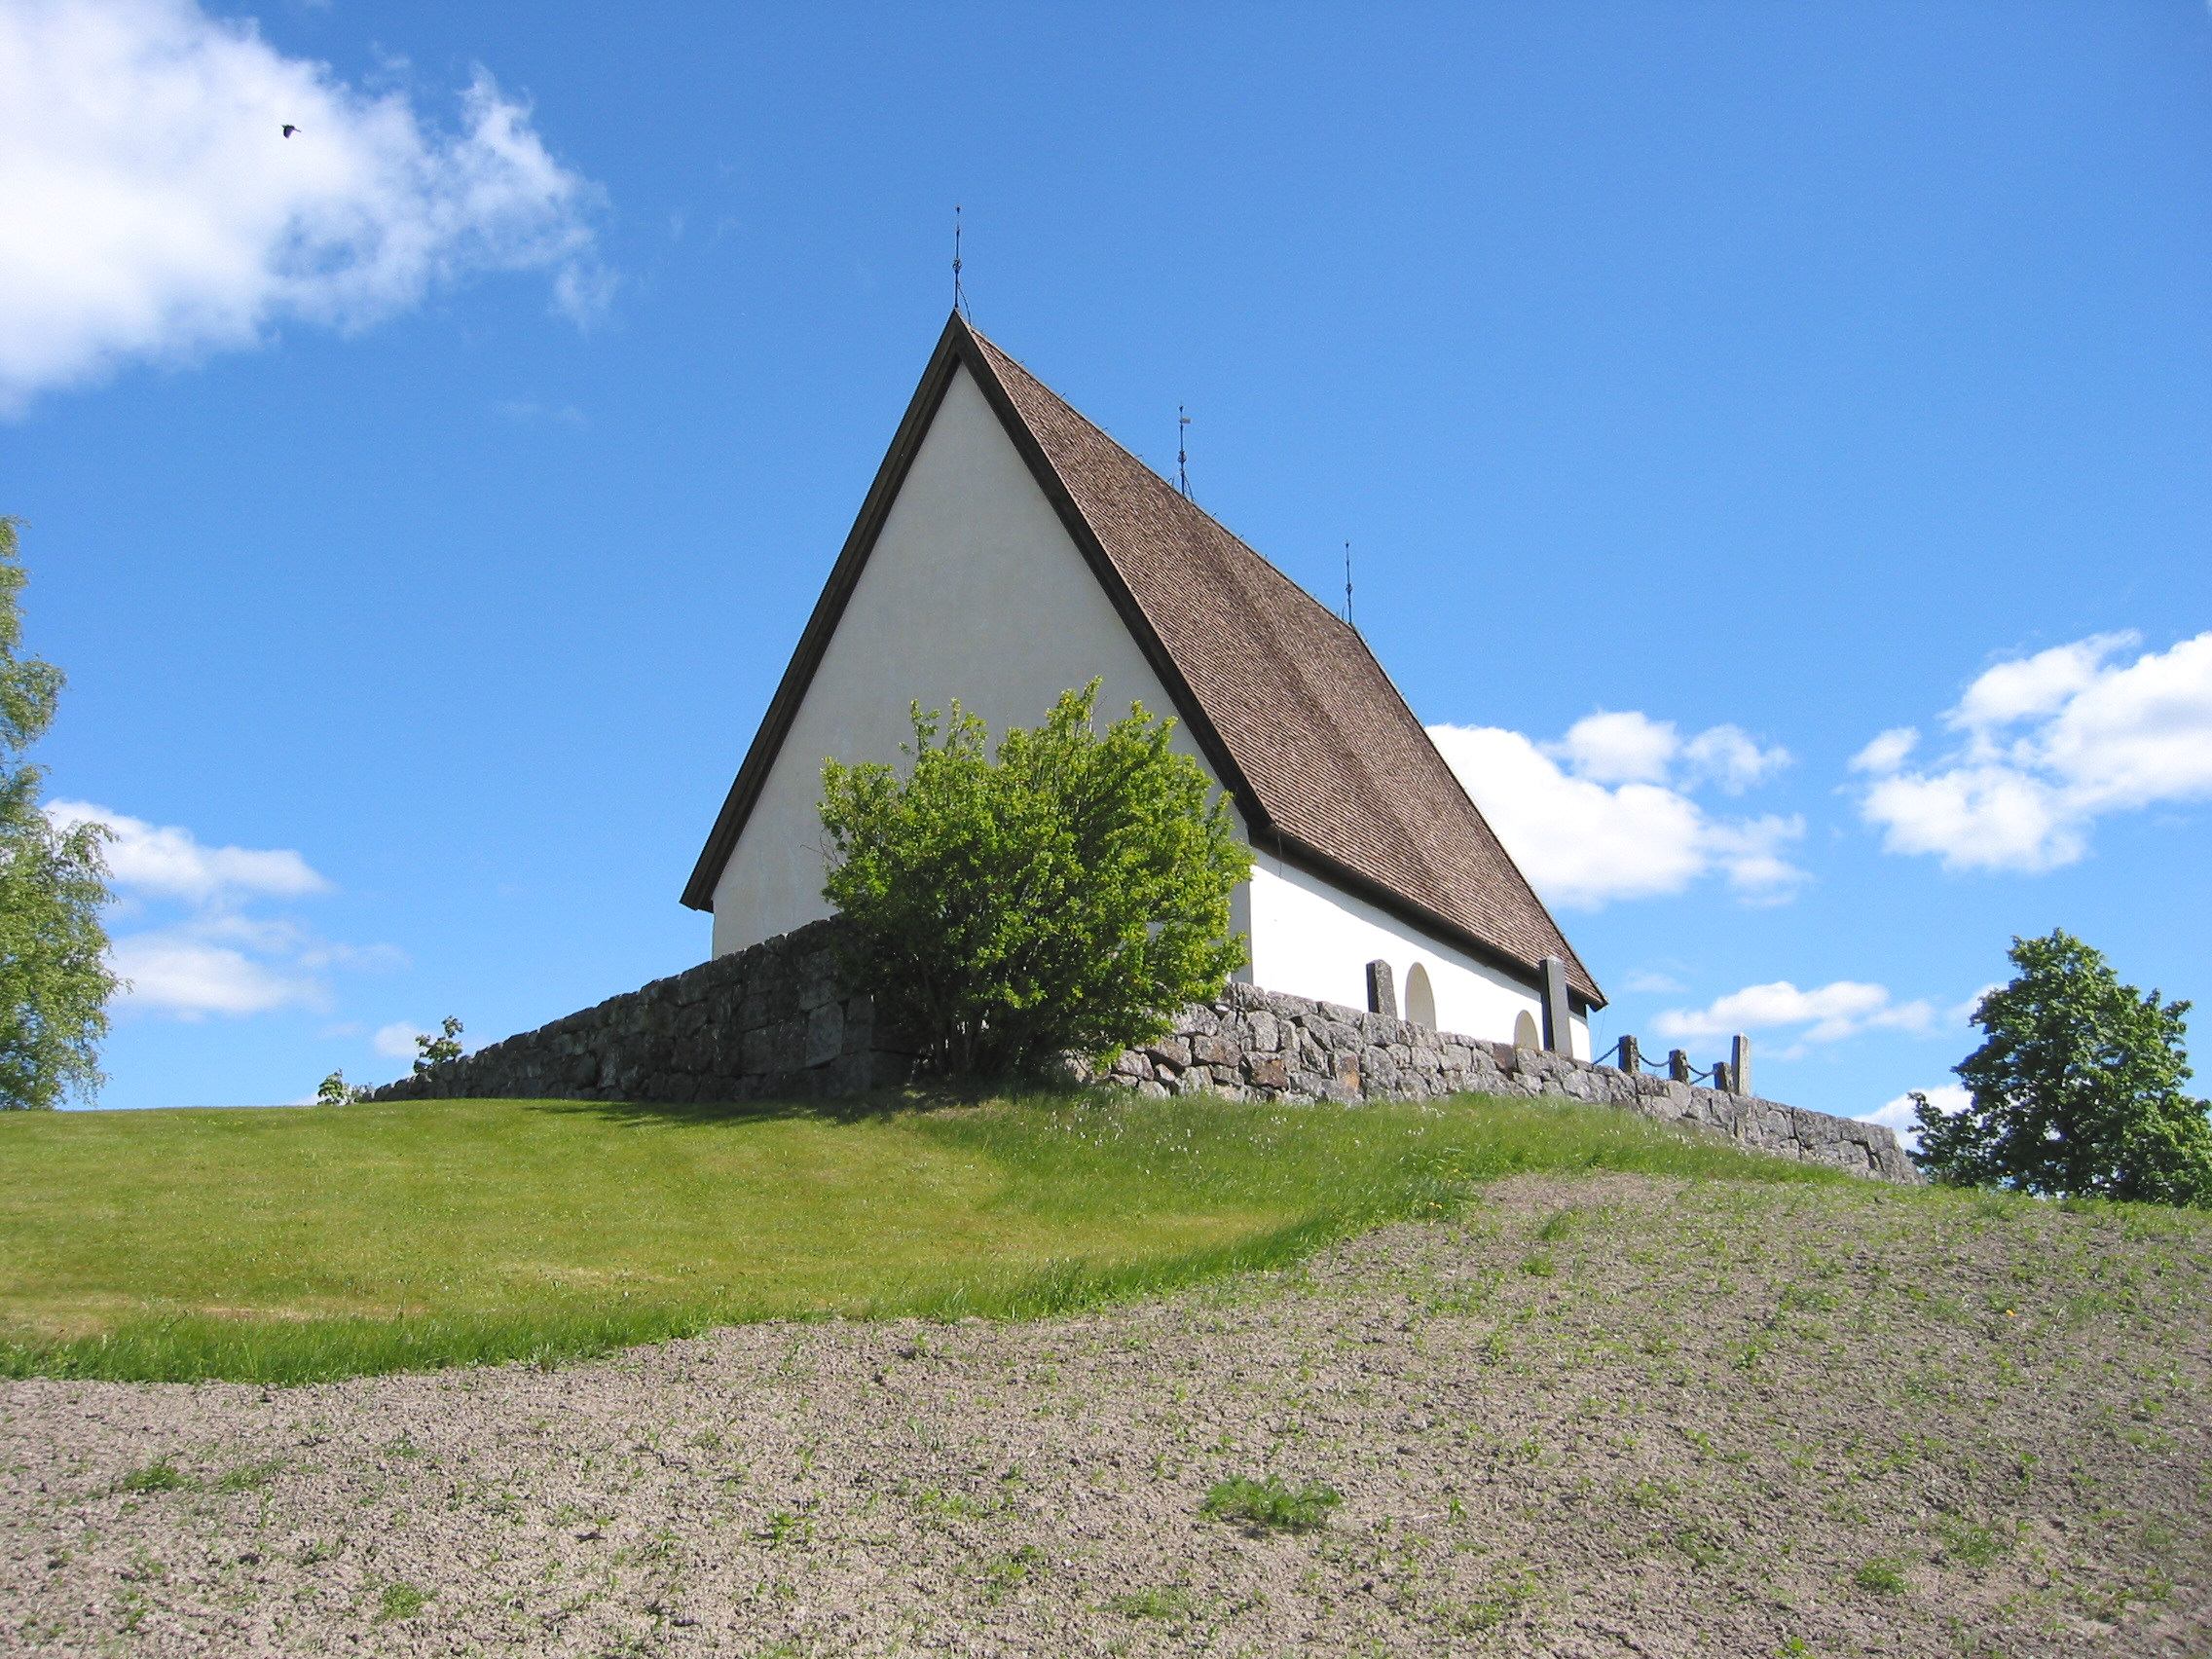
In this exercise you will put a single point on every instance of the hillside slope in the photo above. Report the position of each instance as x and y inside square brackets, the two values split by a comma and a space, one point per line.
[1607, 1414]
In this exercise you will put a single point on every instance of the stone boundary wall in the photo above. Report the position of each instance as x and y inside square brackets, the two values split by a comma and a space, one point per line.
[1264, 1046]
[771, 1022]
[766, 1023]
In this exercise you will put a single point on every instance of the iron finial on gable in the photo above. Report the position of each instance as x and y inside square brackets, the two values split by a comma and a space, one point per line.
[959, 294]
[1347, 581]
[1182, 452]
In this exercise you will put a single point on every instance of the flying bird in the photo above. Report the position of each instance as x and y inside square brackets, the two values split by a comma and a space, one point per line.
[289, 129]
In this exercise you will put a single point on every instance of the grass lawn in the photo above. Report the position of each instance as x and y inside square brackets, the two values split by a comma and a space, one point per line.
[291, 1245]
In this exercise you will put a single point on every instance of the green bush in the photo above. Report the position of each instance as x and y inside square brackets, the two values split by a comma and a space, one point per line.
[2077, 1091]
[1067, 895]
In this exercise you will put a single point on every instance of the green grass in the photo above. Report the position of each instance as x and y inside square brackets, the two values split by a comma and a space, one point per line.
[289, 1247]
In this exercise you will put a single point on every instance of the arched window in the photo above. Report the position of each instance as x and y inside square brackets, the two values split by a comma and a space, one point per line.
[1421, 1001]
[1525, 1031]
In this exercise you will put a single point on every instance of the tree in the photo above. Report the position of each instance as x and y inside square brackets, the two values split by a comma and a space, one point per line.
[54, 977]
[2077, 1089]
[335, 1091]
[430, 1052]
[1066, 895]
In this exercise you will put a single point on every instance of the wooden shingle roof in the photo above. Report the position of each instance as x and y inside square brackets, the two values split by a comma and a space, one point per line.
[1323, 757]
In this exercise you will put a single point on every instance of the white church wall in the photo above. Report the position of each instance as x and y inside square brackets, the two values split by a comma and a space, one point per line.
[973, 591]
[1310, 939]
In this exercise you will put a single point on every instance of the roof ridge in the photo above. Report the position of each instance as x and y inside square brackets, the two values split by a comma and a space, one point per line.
[1287, 700]
[1426, 837]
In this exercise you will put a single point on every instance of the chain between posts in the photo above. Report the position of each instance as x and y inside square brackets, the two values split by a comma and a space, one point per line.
[1628, 1057]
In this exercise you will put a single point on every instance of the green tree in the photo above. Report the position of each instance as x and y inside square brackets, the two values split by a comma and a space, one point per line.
[444, 1048]
[2076, 1091]
[1066, 895]
[54, 977]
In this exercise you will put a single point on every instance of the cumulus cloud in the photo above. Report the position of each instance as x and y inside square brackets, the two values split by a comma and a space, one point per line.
[166, 861]
[1897, 1114]
[396, 1041]
[1605, 812]
[210, 955]
[2045, 747]
[1826, 1014]
[190, 977]
[155, 212]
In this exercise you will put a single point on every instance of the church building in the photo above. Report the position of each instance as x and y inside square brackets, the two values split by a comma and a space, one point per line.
[1009, 550]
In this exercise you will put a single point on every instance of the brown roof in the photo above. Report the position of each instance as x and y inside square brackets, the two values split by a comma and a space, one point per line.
[1322, 755]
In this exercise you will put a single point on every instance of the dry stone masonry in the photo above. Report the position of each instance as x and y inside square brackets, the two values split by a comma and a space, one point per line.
[772, 1022]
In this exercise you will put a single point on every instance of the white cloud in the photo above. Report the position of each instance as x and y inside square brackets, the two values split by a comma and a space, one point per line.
[396, 1041]
[190, 977]
[1625, 748]
[1616, 821]
[2049, 745]
[169, 863]
[156, 211]
[215, 958]
[1828, 1012]
[1897, 1115]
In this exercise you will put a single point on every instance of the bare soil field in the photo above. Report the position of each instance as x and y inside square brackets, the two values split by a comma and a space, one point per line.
[1606, 1416]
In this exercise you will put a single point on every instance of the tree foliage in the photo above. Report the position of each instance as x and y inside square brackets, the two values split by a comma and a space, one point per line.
[431, 1052]
[1064, 896]
[54, 977]
[2077, 1091]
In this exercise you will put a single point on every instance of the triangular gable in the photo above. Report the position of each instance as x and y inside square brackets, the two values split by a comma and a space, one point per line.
[1326, 763]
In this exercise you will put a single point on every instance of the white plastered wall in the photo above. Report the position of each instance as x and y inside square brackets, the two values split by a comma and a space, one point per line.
[1310, 939]
[973, 591]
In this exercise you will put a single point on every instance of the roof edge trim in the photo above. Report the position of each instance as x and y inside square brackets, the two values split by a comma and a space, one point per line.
[958, 346]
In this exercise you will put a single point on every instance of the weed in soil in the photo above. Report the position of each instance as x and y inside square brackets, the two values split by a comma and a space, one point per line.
[1272, 1504]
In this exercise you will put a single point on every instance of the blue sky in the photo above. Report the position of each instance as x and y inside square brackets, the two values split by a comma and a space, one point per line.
[423, 506]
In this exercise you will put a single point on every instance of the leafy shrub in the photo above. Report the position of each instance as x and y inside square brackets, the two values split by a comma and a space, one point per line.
[441, 1050]
[2077, 1089]
[1068, 895]
[335, 1091]
[1272, 1504]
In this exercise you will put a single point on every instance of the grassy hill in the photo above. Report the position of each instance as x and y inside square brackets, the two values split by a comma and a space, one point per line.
[283, 1246]
[1596, 1414]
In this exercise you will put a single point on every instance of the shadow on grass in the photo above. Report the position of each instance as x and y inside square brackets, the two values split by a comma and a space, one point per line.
[844, 1109]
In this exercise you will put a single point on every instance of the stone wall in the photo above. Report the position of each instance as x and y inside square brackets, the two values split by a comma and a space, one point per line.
[766, 1023]
[771, 1022]
[1264, 1046]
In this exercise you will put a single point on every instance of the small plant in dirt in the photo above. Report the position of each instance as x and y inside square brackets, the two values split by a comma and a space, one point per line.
[1539, 1265]
[1010, 1572]
[1882, 1575]
[1971, 1544]
[400, 1600]
[1172, 1601]
[1272, 1504]
[1064, 895]
[249, 1477]
[161, 1475]
[785, 1528]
